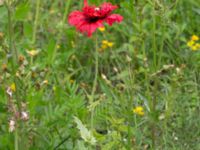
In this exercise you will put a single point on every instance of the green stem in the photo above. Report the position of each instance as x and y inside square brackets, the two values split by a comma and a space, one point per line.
[153, 110]
[16, 140]
[154, 100]
[95, 81]
[14, 63]
[154, 38]
[13, 52]
[10, 33]
[36, 21]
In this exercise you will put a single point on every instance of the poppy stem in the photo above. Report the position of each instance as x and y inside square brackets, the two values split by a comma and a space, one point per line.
[95, 80]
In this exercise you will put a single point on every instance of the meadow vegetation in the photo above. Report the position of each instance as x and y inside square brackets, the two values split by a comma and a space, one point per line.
[134, 85]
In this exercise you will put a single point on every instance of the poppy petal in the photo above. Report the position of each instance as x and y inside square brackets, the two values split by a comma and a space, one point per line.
[75, 18]
[108, 7]
[113, 18]
[90, 28]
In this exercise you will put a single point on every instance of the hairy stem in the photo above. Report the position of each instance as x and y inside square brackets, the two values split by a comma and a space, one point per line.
[13, 52]
[14, 62]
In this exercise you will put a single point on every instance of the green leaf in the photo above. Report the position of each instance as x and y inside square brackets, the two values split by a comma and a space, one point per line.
[2, 107]
[50, 47]
[28, 29]
[85, 133]
[81, 146]
[22, 12]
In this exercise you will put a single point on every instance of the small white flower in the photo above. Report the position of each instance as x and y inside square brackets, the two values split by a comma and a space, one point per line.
[115, 69]
[124, 139]
[128, 58]
[103, 76]
[176, 138]
[178, 70]
[24, 116]
[9, 91]
[11, 125]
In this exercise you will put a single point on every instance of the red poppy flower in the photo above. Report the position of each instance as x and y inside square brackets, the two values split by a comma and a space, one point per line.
[93, 17]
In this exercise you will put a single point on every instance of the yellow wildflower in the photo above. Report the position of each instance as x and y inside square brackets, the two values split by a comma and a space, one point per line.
[13, 87]
[110, 44]
[198, 45]
[194, 38]
[139, 110]
[33, 53]
[194, 48]
[190, 43]
[102, 29]
[105, 42]
[103, 46]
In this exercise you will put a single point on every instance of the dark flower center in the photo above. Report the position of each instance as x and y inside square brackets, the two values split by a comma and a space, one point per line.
[93, 14]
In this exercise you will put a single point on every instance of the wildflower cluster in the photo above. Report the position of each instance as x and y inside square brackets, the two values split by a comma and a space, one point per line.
[15, 114]
[106, 44]
[17, 107]
[193, 43]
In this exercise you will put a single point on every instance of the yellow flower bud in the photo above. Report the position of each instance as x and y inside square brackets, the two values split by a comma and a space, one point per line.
[194, 38]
